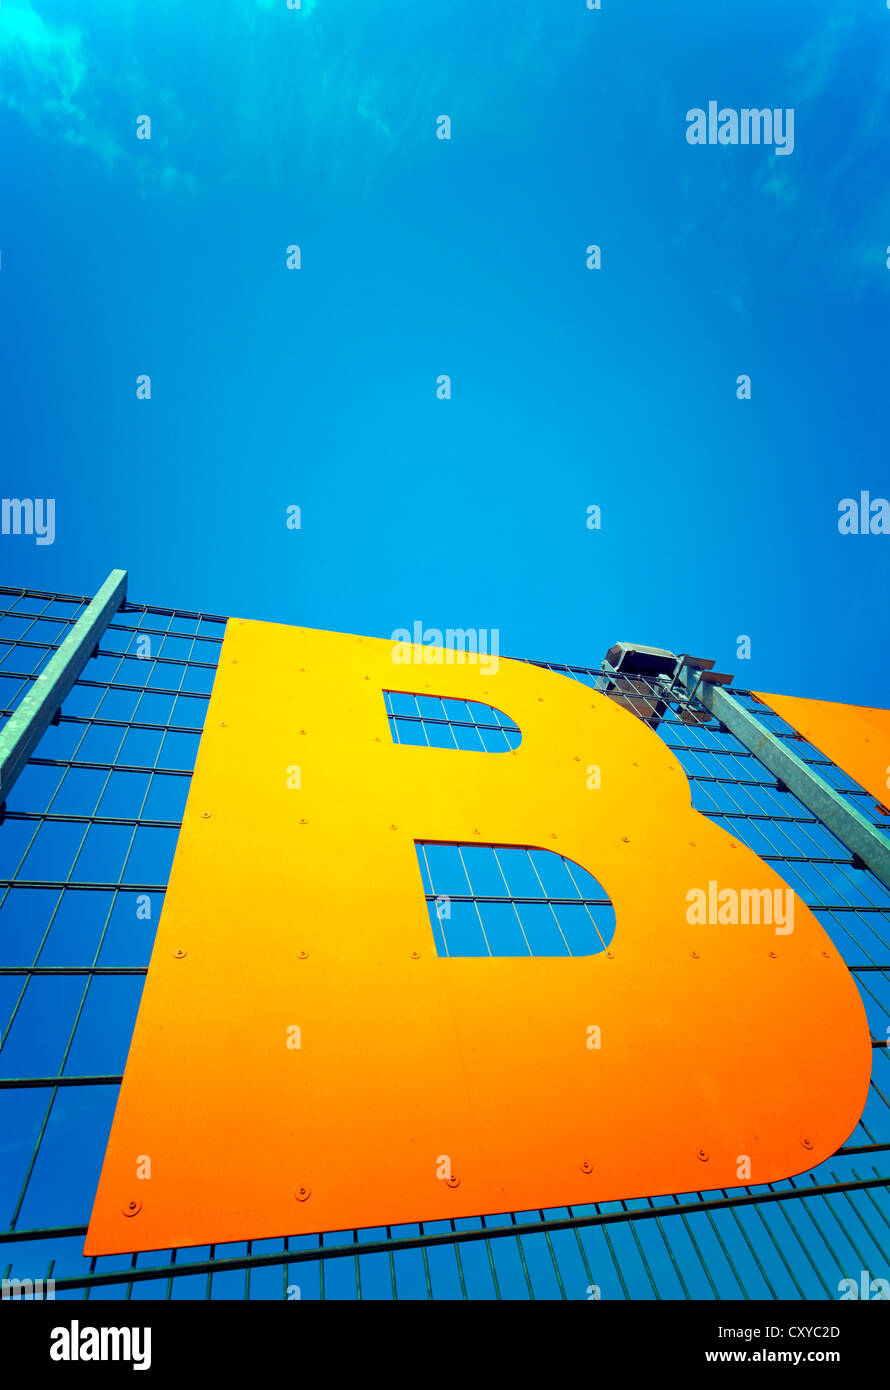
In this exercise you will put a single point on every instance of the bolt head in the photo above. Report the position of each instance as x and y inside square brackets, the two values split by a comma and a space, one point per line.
[303, 1192]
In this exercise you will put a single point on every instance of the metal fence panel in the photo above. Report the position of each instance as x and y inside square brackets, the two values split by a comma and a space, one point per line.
[86, 844]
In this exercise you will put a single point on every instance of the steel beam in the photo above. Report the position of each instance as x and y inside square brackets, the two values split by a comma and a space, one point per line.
[39, 707]
[850, 826]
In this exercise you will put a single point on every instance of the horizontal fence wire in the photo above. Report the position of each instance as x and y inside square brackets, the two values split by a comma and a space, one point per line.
[85, 849]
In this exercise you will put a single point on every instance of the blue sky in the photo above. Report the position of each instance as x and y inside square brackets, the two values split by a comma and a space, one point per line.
[420, 257]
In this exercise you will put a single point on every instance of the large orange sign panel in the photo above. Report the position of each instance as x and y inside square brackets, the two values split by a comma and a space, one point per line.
[855, 737]
[731, 1050]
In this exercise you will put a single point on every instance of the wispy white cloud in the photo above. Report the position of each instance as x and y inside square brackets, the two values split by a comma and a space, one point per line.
[839, 85]
[52, 80]
[43, 68]
[368, 88]
[778, 181]
[815, 66]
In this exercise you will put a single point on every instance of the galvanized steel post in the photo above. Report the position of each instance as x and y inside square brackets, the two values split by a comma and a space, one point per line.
[30, 720]
[850, 826]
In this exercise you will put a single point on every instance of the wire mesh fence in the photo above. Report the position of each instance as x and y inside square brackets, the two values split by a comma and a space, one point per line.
[86, 843]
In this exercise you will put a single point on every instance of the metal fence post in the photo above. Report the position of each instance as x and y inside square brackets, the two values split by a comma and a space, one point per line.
[30, 720]
[850, 826]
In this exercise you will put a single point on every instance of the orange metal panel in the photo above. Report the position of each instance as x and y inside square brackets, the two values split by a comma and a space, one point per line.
[305, 908]
[855, 737]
